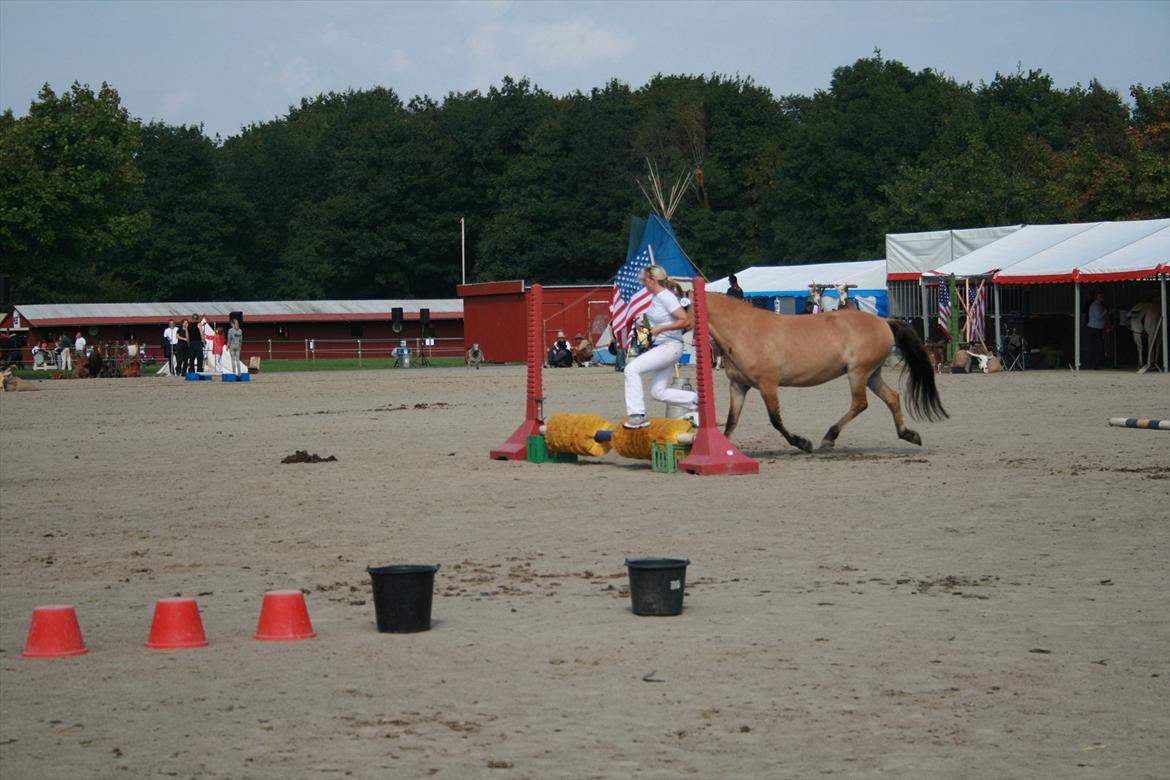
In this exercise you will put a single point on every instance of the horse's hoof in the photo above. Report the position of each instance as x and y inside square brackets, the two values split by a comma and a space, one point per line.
[828, 444]
[804, 444]
[1143, 369]
[912, 437]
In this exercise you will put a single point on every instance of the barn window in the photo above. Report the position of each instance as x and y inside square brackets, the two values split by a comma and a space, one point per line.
[356, 330]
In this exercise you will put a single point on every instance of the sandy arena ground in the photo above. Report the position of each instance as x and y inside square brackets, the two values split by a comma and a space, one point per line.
[993, 604]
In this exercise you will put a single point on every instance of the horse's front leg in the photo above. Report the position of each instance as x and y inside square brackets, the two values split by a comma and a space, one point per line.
[738, 393]
[771, 396]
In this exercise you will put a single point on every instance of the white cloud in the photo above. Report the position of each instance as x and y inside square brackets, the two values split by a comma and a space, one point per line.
[485, 51]
[176, 103]
[332, 37]
[397, 61]
[576, 44]
[496, 49]
[296, 78]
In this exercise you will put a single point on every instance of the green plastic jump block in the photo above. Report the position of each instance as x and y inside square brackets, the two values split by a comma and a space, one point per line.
[664, 457]
[538, 452]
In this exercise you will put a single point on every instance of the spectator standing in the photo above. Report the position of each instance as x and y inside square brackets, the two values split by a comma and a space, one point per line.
[170, 337]
[1096, 330]
[79, 345]
[64, 356]
[734, 290]
[235, 342]
[218, 342]
[182, 347]
[195, 334]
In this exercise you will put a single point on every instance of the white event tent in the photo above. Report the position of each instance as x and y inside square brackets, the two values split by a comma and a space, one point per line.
[788, 285]
[909, 255]
[1077, 253]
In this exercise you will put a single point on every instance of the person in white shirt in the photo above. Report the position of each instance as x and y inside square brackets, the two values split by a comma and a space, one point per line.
[170, 338]
[79, 345]
[668, 320]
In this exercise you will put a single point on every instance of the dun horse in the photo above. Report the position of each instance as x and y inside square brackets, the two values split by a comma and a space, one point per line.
[767, 351]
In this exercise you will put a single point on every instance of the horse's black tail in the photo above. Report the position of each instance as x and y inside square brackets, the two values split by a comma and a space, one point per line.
[922, 399]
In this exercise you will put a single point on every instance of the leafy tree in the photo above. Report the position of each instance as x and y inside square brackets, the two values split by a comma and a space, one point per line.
[67, 175]
[193, 249]
[877, 115]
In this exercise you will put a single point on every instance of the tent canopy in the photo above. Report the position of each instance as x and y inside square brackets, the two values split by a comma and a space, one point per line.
[792, 281]
[1010, 250]
[909, 255]
[1038, 254]
[1059, 263]
[1133, 261]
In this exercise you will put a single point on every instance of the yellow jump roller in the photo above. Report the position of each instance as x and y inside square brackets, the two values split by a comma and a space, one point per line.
[586, 434]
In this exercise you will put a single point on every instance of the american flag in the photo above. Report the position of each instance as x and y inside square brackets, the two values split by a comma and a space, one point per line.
[630, 299]
[944, 305]
[976, 310]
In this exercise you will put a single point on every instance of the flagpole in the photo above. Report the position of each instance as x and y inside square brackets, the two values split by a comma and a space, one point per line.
[463, 247]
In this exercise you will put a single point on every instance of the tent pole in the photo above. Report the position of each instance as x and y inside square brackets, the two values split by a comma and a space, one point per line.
[1165, 337]
[926, 317]
[1077, 325]
[998, 325]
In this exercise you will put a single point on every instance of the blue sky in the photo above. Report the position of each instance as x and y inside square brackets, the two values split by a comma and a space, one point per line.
[228, 64]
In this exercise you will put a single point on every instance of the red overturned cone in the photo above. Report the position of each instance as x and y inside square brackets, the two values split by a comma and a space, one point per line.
[176, 625]
[284, 616]
[54, 633]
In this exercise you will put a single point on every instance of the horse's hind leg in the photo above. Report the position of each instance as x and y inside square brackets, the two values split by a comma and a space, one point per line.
[1143, 364]
[771, 396]
[894, 402]
[738, 392]
[857, 405]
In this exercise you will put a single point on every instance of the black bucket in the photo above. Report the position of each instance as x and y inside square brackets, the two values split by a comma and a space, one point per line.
[402, 597]
[657, 585]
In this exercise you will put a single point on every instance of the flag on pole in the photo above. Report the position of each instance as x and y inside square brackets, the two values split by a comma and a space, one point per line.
[944, 305]
[976, 312]
[630, 299]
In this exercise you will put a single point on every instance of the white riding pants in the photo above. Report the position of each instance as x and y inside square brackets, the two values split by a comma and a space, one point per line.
[658, 362]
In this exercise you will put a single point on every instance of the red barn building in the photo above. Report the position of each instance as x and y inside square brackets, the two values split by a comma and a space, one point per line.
[494, 316]
[272, 329]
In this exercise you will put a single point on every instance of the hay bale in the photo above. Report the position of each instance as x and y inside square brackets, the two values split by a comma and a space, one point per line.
[961, 363]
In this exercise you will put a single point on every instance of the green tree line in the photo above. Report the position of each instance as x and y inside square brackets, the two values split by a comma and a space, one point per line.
[359, 194]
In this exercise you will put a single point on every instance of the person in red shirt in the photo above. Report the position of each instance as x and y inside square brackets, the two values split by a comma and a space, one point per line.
[217, 344]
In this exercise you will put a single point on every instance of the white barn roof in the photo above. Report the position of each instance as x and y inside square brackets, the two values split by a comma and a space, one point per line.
[256, 311]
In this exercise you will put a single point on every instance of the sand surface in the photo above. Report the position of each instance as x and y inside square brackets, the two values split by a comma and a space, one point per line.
[995, 603]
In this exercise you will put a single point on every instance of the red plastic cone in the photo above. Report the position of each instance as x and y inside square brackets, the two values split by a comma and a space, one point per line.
[284, 615]
[176, 624]
[54, 633]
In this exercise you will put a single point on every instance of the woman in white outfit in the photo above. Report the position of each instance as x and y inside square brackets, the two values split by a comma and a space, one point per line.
[668, 321]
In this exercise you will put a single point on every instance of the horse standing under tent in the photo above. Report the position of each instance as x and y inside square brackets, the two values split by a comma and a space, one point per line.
[768, 351]
[1145, 319]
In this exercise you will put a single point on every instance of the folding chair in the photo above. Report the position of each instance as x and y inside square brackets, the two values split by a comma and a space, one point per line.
[1014, 353]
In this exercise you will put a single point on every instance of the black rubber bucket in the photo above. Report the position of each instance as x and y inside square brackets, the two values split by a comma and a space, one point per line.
[657, 585]
[402, 597]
